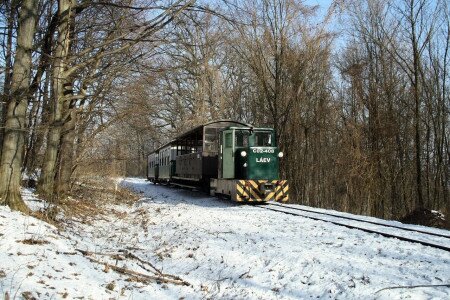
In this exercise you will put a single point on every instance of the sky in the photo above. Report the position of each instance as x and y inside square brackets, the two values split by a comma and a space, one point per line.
[324, 4]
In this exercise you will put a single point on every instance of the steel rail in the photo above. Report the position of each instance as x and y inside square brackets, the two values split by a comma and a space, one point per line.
[402, 238]
[359, 220]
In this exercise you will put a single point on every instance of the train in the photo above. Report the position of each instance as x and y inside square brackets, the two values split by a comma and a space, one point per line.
[225, 158]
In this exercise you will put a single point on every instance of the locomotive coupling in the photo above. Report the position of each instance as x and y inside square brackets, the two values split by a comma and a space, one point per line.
[266, 187]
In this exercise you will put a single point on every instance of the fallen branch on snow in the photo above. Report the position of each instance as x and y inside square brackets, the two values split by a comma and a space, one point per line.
[160, 277]
[413, 286]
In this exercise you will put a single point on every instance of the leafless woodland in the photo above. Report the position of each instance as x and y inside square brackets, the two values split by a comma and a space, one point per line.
[358, 92]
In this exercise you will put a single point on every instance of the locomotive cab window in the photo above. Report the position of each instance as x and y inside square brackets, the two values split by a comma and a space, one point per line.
[241, 138]
[263, 139]
[228, 140]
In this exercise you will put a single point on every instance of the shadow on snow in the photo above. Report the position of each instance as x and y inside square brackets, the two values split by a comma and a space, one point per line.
[172, 195]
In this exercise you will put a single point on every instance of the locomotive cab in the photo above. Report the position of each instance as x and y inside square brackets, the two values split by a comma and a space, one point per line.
[249, 164]
[249, 154]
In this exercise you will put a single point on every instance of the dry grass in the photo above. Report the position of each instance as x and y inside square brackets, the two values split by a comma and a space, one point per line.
[427, 217]
[48, 215]
[89, 200]
[103, 190]
[33, 242]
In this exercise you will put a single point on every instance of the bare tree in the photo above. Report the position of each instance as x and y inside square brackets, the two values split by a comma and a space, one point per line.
[117, 40]
[14, 140]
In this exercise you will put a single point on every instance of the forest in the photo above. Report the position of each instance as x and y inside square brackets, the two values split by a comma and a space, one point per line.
[358, 93]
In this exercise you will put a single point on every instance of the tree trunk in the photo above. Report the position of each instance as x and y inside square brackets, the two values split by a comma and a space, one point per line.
[417, 103]
[46, 182]
[8, 63]
[35, 137]
[13, 143]
[33, 160]
[67, 151]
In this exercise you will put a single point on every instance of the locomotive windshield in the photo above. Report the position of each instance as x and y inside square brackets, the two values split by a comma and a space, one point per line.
[263, 139]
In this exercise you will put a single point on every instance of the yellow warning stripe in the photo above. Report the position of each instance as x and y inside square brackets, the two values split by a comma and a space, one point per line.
[282, 199]
[281, 190]
[249, 190]
[254, 184]
[253, 189]
[241, 191]
[269, 196]
[253, 192]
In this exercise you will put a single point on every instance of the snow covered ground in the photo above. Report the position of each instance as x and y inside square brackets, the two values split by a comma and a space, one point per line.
[419, 233]
[223, 250]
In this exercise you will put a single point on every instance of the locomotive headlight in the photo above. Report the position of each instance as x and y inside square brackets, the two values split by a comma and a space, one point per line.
[280, 154]
[243, 153]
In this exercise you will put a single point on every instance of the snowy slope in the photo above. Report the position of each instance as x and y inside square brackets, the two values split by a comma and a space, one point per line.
[224, 250]
[37, 260]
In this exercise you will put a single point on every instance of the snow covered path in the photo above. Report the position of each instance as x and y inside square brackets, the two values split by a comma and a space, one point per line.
[224, 250]
[247, 252]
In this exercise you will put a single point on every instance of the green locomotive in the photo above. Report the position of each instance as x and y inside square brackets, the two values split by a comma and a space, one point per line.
[225, 157]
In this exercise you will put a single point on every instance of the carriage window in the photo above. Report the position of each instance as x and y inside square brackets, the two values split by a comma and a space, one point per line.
[241, 139]
[228, 140]
[263, 139]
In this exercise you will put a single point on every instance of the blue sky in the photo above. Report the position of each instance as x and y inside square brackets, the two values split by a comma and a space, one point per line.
[324, 4]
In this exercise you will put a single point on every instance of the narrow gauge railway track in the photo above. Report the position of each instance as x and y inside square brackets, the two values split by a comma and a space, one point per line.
[298, 212]
[363, 221]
